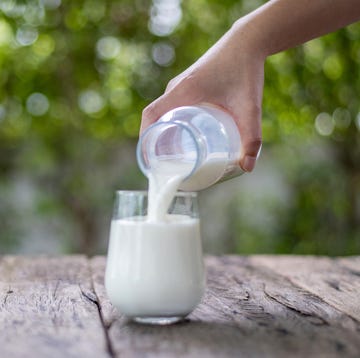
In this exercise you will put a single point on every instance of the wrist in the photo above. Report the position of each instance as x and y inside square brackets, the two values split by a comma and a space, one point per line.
[250, 40]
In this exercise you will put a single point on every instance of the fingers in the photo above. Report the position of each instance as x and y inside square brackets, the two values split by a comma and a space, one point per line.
[184, 93]
[155, 110]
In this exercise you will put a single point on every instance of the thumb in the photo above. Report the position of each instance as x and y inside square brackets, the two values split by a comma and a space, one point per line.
[249, 125]
[251, 153]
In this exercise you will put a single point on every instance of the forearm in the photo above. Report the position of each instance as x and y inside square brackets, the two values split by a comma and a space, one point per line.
[282, 24]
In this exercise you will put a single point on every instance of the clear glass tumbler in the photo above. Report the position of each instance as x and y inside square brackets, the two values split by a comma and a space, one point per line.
[154, 271]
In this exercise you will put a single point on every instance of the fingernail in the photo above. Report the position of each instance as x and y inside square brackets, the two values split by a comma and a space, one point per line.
[248, 163]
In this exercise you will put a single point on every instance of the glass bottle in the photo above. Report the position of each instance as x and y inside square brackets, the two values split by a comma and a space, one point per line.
[202, 138]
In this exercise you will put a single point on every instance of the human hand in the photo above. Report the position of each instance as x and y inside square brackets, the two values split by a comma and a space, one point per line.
[230, 75]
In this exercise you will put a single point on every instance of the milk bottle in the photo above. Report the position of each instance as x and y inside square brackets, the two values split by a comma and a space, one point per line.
[202, 142]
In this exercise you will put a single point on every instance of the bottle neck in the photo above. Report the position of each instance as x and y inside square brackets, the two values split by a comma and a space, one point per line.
[176, 144]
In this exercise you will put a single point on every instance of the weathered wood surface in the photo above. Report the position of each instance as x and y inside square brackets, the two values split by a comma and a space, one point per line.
[256, 306]
[45, 310]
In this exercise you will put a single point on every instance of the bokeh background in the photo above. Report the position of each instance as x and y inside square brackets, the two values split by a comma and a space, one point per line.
[74, 78]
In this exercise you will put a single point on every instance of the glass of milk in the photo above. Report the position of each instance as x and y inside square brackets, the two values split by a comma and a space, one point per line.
[154, 271]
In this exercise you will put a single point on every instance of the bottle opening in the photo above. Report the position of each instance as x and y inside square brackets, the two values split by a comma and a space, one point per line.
[168, 146]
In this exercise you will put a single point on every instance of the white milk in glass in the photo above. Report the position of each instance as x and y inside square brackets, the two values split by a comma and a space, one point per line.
[155, 268]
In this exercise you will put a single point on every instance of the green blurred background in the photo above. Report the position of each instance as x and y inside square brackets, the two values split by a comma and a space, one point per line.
[74, 78]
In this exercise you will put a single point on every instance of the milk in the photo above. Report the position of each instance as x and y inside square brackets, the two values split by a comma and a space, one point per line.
[164, 181]
[208, 173]
[170, 175]
[155, 269]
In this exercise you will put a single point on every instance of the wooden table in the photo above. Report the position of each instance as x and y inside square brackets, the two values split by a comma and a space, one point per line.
[256, 306]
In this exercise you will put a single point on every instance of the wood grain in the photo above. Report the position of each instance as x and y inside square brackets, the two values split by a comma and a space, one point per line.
[250, 309]
[256, 306]
[46, 309]
[335, 281]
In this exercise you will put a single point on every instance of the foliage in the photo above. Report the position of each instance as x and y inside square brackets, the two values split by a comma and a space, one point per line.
[75, 76]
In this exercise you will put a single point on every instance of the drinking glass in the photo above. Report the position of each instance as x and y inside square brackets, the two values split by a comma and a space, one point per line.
[154, 272]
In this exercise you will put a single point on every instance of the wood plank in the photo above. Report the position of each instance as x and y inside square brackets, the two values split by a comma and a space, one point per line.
[248, 311]
[351, 263]
[335, 281]
[46, 308]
